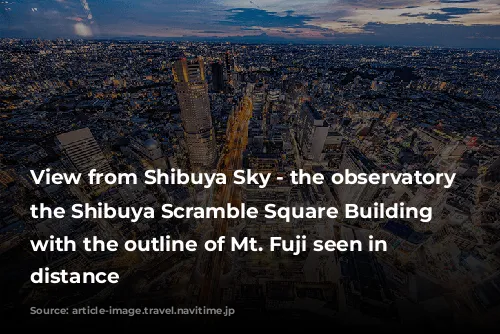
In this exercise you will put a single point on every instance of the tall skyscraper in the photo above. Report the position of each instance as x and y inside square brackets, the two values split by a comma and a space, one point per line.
[217, 77]
[84, 154]
[192, 93]
[311, 133]
[229, 67]
[360, 194]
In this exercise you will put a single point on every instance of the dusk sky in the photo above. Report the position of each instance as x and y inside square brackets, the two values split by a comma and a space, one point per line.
[467, 23]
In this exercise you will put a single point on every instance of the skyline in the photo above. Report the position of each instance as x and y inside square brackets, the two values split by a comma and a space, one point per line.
[446, 23]
[263, 113]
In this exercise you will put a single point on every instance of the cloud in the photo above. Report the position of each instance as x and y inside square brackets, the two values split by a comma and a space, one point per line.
[384, 4]
[420, 34]
[82, 30]
[459, 11]
[46, 19]
[458, 1]
[290, 20]
[444, 14]
[252, 17]
[213, 31]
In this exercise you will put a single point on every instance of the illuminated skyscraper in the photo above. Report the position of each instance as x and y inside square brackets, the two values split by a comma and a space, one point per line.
[217, 77]
[360, 194]
[229, 67]
[84, 154]
[192, 93]
[312, 133]
[228, 60]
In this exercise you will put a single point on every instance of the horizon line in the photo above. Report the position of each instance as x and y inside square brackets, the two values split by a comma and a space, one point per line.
[216, 40]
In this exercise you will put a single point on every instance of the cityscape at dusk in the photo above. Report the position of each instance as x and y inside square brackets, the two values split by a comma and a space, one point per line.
[269, 86]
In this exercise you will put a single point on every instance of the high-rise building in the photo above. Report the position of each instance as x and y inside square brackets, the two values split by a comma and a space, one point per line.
[312, 131]
[277, 192]
[334, 148]
[84, 154]
[217, 77]
[229, 66]
[360, 194]
[192, 93]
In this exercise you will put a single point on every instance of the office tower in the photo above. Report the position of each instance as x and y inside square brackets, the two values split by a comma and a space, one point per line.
[334, 148]
[276, 192]
[259, 103]
[360, 194]
[261, 228]
[229, 66]
[312, 131]
[217, 77]
[366, 281]
[192, 93]
[84, 154]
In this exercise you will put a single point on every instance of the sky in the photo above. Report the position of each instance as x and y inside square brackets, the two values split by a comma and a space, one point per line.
[447, 23]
